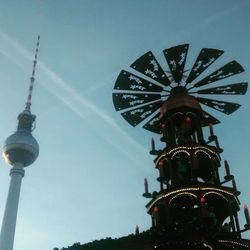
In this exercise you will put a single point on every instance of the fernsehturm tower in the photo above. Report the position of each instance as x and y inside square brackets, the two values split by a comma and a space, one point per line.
[20, 150]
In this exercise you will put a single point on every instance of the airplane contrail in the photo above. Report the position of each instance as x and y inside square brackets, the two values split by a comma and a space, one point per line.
[209, 20]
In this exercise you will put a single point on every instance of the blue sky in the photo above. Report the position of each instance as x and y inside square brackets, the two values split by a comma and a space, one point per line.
[88, 179]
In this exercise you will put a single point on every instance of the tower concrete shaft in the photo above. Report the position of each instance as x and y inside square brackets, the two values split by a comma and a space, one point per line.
[10, 214]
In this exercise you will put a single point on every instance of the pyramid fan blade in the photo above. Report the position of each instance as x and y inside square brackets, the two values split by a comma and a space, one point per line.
[230, 69]
[222, 106]
[129, 100]
[207, 119]
[203, 61]
[176, 58]
[129, 81]
[231, 89]
[137, 115]
[149, 66]
[153, 124]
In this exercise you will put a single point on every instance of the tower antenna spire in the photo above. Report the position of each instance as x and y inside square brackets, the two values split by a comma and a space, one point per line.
[32, 78]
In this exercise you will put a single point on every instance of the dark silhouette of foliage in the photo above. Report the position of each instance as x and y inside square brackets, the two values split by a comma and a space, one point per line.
[131, 242]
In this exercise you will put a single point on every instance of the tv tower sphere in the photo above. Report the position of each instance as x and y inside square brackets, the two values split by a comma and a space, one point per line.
[21, 147]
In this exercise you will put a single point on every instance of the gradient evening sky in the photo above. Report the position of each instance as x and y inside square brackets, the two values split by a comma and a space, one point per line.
[88, 179]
